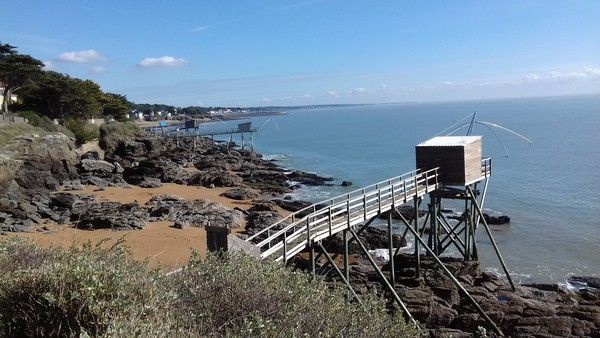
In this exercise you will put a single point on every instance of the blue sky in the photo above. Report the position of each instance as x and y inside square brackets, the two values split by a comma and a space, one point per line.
[250, 53]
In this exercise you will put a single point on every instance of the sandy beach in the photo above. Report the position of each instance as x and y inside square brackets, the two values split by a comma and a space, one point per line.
[159, 243]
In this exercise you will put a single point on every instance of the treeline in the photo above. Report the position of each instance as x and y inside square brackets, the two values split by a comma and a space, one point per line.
[59, 96]
[53, 94]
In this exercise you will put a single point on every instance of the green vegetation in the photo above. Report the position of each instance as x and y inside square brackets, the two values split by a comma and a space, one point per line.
[9, 132]
[92, 291]
[83, 131]
[16, 70]
[44, 123]
[60, 96]
[113, 133]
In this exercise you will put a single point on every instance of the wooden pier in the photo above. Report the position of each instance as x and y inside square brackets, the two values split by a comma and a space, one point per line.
[451, 168]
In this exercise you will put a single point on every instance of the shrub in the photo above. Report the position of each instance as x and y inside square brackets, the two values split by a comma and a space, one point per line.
[10, 131]
[91, 291]
[80, 291]
[44, 123]
[83, 131]
[114, 133]
[238, 295]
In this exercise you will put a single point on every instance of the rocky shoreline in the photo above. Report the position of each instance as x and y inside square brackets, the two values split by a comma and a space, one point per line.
[41, 170]
[39, 174]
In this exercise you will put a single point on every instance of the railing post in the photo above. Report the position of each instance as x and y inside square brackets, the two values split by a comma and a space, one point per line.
[404, 183]
[364, 204]
[393, 198]
[330, 232]
[269, 236]
[284, 247]
[416, 185]
[308, 230]
[348, 210]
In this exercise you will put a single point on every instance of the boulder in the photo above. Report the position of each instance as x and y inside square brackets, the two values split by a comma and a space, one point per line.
[240, 194]
[215, 177]
[346, 183]
[198, 213]
[98, 168]
[111, 215]
[150, 182]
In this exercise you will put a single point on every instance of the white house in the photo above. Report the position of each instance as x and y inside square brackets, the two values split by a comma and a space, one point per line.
[13, 97]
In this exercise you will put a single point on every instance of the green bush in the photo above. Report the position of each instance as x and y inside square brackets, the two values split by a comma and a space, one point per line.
[238, 295]
[10, 131]
[80, 291]
[114, 133]
[44, 123]
[103, 292]
[83, 131]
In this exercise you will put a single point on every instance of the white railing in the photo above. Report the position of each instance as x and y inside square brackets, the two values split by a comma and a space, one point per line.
[293, 233]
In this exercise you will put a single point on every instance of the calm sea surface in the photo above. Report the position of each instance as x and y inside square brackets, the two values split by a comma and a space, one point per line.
[550, 189]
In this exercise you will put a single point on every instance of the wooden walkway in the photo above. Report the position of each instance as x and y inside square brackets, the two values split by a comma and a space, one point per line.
[297, 231]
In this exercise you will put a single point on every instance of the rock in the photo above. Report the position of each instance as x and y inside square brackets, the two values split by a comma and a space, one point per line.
[63, 200]
[214, 177]
[497, 220]
[292, 205]
[308, 178]
[111, 215]
[593, 282]
[196, 213]
[346, 183]
[90, 155]
[118, 168]
[98, 168]
[180, 224]
[70, 185]
[240, 194]
[258, 220]
[150, 182]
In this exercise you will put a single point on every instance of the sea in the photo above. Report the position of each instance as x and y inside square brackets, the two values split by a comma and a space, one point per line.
[550, 188]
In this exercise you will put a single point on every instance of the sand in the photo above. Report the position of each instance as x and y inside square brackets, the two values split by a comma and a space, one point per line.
[163, 246]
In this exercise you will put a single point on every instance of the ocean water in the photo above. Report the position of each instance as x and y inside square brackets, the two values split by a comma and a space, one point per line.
[550, 188]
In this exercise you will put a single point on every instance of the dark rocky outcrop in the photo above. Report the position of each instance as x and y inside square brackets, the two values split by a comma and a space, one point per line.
[216, 178]
[530, 311]
[197, 213]
[110, 215]
[240, 194]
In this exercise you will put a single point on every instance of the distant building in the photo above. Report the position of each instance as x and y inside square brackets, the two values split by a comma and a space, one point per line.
[13, 97]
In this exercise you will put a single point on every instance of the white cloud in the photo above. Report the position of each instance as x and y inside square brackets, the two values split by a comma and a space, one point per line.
[163, 61]
[359, 91]
[306, 96]
[448, 83]
[98, 70]
[264, 100]
[48, 65]
[84, 56]
[199, 29]
[333, 94]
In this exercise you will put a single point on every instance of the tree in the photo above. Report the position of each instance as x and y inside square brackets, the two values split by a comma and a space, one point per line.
[115, 105]
[58, 95]
[16, 70]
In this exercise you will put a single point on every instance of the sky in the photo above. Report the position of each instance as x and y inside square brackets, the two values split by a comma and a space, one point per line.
[269, 52]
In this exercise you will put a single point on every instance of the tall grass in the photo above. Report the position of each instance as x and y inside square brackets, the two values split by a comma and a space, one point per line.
[91, 291]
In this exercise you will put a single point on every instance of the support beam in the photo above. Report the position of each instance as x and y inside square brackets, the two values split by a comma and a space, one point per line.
[346, 256]
[344, 278]
[391, 250]
[489, 233]
[457, 284]
[382, 276]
